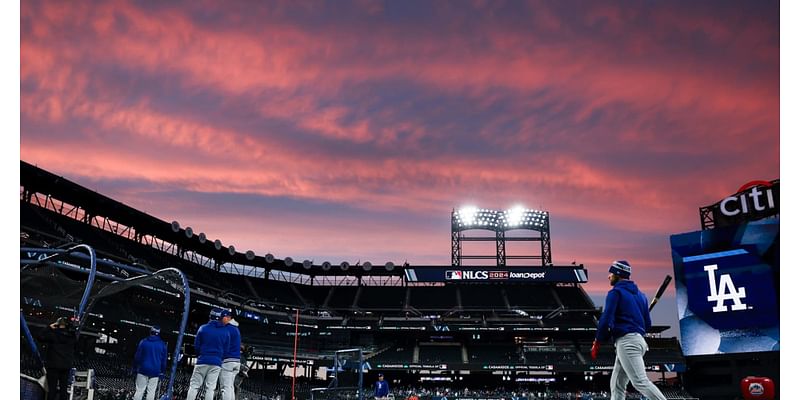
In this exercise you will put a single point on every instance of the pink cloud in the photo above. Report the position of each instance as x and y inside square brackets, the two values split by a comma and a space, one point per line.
[562, 108]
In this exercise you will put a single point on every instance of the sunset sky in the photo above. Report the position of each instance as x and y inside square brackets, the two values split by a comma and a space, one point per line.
[349, 130]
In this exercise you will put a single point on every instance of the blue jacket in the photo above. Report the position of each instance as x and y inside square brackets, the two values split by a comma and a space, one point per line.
[234, 350]
[625, 312]
[210, 343]
[151, 356]
[381, 389]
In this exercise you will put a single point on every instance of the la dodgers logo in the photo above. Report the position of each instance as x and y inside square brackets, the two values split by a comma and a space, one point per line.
[725, 291]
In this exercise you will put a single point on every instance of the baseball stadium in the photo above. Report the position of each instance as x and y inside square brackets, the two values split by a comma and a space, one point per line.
[399, 200]
[315, 331]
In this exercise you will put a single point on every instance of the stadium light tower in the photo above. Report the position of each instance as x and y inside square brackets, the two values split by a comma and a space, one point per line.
[499, 221]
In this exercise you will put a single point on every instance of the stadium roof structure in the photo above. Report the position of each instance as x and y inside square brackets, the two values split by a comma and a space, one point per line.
[77, 201]
[70, 199]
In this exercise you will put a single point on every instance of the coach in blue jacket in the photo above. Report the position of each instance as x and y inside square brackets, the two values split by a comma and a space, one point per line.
[625, 319]
[381, 388]
[210, 344]
[150, 363]
[231, 360]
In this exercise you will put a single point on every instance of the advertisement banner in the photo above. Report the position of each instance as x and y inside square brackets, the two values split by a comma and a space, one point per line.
[497, 274]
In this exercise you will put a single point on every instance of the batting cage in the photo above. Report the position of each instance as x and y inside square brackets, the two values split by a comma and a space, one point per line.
[347, 382]
[107, 308]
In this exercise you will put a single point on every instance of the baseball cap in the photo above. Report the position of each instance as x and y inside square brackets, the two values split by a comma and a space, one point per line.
[621, 268]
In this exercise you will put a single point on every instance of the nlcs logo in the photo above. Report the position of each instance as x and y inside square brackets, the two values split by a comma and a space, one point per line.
[725, 291]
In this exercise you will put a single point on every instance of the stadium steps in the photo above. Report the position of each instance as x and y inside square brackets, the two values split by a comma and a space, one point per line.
[56, 227]
[580, 356]
[357, 297]
[328, 298]
[558, 299]
[378, 352]
[505, 298]
[250, 287]
[300, 296]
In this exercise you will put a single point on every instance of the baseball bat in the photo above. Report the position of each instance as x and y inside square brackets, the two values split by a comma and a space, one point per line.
[661, 290]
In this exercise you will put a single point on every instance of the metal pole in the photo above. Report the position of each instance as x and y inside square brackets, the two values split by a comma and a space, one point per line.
[296, 326]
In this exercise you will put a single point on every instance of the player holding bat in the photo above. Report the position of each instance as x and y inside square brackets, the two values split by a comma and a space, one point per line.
[625, 319]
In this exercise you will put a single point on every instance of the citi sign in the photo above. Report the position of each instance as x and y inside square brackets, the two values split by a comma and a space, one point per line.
[752, 201]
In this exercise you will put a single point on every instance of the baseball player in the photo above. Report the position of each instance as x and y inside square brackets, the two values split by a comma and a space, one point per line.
[626, 318]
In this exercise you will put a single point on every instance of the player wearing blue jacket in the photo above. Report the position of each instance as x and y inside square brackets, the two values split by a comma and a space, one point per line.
[150, 362]
[381, 388]
[626, 318]
[230, 361]
[210, 343]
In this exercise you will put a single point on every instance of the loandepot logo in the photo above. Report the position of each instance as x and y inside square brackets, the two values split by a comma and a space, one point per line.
[725, 291]
[527, 275]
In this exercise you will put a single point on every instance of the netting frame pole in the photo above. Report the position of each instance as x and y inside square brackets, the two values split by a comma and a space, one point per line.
[294, 355]
[336, 366]
[29, 337]
[58, 253]
[186, 304]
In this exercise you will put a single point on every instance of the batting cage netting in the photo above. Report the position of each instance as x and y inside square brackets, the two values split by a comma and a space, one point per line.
[347, 382]
[109, 308]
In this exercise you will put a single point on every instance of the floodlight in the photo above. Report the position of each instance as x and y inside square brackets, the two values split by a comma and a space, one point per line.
[188, 232]
[468, 214]
[270, 258]
[288, 261]
[201, 237]
[176, 227]
[515, 215]
[307, 264]
[231, 250]
[250, 255]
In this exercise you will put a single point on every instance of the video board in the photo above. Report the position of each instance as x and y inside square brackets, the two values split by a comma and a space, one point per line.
[727, 288]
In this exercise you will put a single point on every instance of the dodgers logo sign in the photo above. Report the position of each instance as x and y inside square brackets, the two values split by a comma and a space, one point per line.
[728, 287]
[725, 291]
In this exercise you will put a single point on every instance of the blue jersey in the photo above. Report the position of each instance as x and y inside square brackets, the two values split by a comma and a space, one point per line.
[625, 312]
[381, 389]
[151, 356]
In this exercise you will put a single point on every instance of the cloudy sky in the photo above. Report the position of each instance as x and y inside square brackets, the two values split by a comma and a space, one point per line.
[349, 131]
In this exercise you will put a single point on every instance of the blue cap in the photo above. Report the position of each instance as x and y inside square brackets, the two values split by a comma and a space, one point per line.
[155, 330]
[218, 313]
[621, 268]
